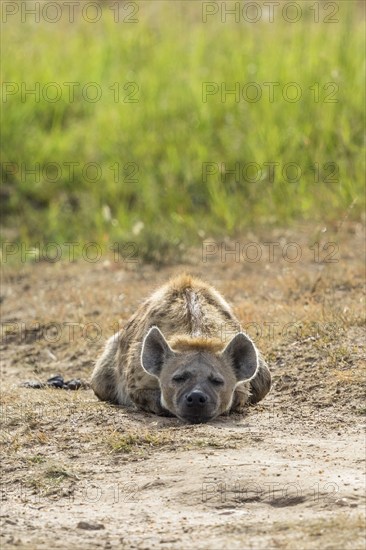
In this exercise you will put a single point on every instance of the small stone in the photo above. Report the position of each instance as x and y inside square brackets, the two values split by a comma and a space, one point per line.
[73, 384]
[342, 502]
[90, 526]
[56, 381]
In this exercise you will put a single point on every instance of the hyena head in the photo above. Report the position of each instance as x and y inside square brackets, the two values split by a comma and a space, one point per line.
[198, 384]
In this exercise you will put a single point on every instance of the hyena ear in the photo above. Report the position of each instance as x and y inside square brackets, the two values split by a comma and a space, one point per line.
[155, 350]
[243, 357]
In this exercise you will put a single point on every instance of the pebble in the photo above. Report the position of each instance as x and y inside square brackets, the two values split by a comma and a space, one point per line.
[90, 526]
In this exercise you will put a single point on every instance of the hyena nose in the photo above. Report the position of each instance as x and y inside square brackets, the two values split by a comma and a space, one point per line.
[196, 399]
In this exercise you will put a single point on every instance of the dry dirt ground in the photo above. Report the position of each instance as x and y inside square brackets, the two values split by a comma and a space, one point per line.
[78, 473]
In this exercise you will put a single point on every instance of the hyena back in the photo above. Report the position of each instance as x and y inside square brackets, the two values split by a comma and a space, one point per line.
[182, 353]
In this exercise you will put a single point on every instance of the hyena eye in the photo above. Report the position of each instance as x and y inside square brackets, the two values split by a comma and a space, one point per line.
[180, 377]
[217, 381]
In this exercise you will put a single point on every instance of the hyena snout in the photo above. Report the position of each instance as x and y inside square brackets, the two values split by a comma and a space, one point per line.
[196, 407]
[196, 399]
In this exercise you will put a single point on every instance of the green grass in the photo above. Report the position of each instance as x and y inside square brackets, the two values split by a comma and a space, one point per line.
[165, 137]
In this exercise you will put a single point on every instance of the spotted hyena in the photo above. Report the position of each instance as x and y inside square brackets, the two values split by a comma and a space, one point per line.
[182, 353]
